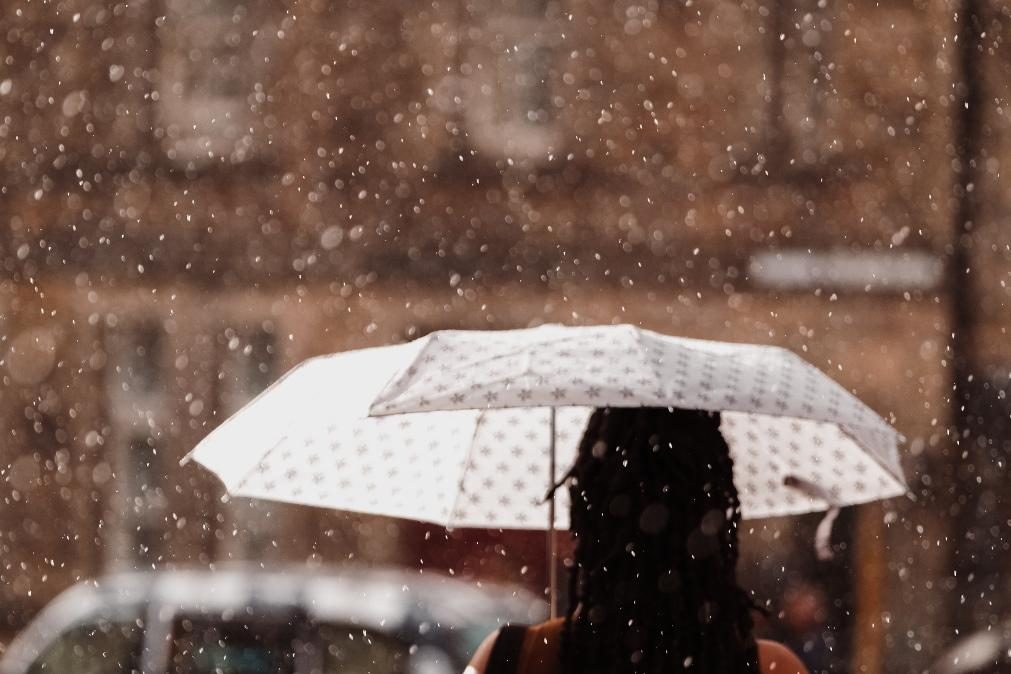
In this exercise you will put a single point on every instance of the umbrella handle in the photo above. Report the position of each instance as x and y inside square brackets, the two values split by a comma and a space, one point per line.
[823, 535]
[552, 542]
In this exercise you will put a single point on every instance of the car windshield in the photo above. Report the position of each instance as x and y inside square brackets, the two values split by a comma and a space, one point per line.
[207, 646]
[101, 647]
[274, 646]
[350, 650]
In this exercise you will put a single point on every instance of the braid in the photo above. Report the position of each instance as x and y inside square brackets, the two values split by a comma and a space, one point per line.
[654, 516]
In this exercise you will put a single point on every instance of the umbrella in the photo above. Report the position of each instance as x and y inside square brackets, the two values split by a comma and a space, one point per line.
[469, 428]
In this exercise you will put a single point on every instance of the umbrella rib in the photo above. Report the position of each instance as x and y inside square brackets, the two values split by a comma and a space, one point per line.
[245, 476]
[638, 335]
[873, 454]
[464, 468]
[386, 393]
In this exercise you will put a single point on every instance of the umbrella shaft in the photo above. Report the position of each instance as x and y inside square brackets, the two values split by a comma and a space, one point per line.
[552, 543]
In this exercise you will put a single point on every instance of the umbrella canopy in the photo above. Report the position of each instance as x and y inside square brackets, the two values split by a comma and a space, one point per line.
[454, 428]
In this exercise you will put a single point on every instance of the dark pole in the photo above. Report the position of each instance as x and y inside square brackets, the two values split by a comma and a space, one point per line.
[777, 161]
[967, 123]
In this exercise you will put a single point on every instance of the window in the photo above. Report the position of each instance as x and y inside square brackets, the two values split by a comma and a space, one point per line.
[139, 367]
[248, 365]
[509, 111]
[37, 466]
[212, 58]
[805, 84]
[101, 648]
[521, 85]
[147, 499]
[137, 408]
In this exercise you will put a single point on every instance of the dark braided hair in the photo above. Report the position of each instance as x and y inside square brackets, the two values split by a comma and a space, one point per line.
[653, 588]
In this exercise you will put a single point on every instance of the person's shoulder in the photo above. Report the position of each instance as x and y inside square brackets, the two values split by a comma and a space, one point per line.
[548, 627]
[534, 633]
[775, 658]
[479, 662]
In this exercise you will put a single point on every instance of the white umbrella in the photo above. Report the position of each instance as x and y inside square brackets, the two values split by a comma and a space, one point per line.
[469, 435]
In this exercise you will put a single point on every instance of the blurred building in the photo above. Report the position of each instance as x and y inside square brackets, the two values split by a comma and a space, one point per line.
[198, 194]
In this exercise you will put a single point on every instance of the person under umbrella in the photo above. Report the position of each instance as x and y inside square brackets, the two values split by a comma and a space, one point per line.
[465, 428]
[653, 589]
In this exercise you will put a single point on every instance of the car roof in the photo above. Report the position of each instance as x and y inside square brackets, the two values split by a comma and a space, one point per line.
[985, 650]
[392, 600]
[349, 594]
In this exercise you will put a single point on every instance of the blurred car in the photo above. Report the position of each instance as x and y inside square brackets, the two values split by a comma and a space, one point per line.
[986, 651]
[245, 621]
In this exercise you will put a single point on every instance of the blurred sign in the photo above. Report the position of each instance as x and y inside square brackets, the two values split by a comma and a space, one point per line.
[881, 271]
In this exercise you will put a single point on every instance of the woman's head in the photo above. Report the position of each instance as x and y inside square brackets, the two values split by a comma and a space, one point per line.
[654, 517]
